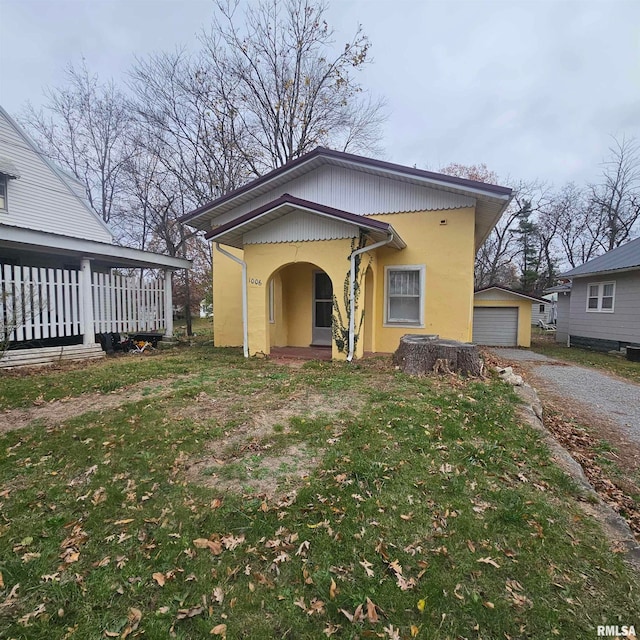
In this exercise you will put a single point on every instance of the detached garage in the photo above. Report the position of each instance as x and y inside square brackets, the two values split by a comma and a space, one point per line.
[502, 317]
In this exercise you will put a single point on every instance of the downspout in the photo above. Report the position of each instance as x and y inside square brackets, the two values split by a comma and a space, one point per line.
[245, 323]
[352, 292]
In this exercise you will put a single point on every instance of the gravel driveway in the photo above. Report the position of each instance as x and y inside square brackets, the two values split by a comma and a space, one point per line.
[604, 395]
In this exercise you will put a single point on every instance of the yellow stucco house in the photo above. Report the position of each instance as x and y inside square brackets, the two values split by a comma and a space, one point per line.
[345, 251]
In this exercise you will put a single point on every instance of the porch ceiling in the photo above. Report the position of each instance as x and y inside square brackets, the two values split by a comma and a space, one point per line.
[232, 233]
[20, 240]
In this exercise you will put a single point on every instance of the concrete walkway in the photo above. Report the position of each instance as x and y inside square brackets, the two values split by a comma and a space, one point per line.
[603, 395]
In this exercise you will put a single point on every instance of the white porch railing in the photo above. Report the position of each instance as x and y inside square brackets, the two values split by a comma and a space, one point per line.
[126, 305]
[40, 303]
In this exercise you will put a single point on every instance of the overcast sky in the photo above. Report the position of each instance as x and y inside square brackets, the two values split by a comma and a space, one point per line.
[533, 89]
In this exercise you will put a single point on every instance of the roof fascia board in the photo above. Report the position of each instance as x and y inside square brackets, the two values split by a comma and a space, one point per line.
[301, 205]
[603, 272]
[90, 248]
[513, 293]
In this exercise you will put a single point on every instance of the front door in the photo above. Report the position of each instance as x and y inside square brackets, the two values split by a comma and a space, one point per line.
[322, 308]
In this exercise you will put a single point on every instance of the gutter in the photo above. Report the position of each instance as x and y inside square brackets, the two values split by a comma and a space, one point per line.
[245, 323]
[352, 291]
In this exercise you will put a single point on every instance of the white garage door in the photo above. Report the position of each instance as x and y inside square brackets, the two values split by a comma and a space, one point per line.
[495, 326]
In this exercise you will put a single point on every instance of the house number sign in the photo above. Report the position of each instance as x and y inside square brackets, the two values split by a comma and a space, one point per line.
[255, 281]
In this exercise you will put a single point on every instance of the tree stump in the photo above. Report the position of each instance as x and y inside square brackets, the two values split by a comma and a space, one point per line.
[422, 354]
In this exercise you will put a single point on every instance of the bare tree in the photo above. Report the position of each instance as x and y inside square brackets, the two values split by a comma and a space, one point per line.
[615, 201]
[183, 120]
[83, 128]
[289, 89]
[576, 221]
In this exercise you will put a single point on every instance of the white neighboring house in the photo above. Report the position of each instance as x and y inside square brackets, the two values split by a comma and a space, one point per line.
[59, 286]
[544, 309]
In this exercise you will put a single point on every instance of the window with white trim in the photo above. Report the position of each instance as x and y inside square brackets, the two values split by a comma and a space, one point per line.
[272, 301]
[3, 192]
[600, 296]
[404, 295]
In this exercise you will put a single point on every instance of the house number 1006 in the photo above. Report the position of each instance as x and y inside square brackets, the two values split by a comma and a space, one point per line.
[255, 281]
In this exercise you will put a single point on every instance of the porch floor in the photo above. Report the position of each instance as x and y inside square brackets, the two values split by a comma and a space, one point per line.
[301, 353]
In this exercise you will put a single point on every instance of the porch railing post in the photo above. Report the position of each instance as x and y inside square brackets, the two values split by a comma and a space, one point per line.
[86, 303]
[168, 304]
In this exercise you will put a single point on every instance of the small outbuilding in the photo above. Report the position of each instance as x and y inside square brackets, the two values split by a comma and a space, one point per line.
[502, 317]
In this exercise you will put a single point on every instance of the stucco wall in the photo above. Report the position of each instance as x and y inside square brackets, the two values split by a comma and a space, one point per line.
[446, 251]
[227, 299]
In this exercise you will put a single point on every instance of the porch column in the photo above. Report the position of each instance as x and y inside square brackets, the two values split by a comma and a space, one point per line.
[86, 301]
[168, 304]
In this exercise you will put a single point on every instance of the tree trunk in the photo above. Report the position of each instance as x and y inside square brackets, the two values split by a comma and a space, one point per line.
[422, 354]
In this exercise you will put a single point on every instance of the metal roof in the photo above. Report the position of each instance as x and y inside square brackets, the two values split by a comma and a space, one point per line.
[233, 232]
[624, 258]
[491, 200]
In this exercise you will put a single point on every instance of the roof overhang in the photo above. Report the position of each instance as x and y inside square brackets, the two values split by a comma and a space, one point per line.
[232, 233]
[108, 255]
[597, 274]
[511, 292]
[491, 200]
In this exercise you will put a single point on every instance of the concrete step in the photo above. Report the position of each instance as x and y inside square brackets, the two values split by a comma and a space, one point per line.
[49, 355]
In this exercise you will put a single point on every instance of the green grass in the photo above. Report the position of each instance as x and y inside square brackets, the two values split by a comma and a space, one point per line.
[432, 503]
[585, 357]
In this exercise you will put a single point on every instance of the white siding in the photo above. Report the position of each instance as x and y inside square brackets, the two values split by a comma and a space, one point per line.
[40, 199]
[562, 325]
[536, 314]
[298, 227]
[356, 192]
[495, 326]
[622, 325]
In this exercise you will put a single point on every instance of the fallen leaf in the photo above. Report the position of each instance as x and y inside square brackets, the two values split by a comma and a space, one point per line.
[214, 546]
[421, 605]
[372, 614]
[219, 630]
[133, 620]
[414, 630]
[1, 581]
[333, 589]
[159, 578]
[190, 613]
[218, 594]
[490, 561]
[367, 567]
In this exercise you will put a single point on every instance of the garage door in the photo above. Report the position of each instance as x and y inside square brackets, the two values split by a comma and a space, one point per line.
[495, 326]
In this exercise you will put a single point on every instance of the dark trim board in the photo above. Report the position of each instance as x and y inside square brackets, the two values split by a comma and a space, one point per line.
[597, 344]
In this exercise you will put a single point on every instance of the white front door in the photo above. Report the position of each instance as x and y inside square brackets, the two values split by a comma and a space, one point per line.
[322, 308]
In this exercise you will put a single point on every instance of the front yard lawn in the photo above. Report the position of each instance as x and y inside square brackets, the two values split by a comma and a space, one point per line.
[245, 499]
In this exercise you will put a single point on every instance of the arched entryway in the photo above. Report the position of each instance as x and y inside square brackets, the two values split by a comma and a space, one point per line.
[300, 304]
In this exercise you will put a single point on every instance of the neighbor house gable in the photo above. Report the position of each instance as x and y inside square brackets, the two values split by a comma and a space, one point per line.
[43, 198]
